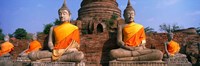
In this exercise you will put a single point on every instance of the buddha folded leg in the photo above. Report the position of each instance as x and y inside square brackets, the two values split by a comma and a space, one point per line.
[154, 55]
[37, 55]
[75, 56]
[137, 55]
[119, 53]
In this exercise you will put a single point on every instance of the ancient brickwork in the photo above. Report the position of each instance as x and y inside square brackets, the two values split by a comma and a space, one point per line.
[102, 9]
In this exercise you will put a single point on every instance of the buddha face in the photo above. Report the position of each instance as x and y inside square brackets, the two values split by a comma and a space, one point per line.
[64, 16]
[170, 36]
[129, 16]
[6, 38]
[34, 37]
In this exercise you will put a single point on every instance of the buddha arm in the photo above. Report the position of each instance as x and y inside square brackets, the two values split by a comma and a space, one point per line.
[50, 42]
[166, 50]
[119, 39]
[144, 40]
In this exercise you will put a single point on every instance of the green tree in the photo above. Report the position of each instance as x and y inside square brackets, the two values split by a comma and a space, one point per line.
[20, 33]
[110, 22]
[198, 30]
[47, 28]
[1, 34]
[114, 16]
[149, 30]
[168, 28]
[57, 22]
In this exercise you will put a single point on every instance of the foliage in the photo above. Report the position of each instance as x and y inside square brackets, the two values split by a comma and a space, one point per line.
[57, 22]
[198, 30]
[10, 35]
[114, 16]
[110, 22]
[84, 29]
[20, 33]
[1, 35]
[149, 30]
[1, 30]
[47, 28]
[168, 28]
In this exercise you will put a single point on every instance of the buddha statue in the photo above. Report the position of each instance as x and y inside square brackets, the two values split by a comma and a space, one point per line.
[6, 47]
[64, 41]
[33, 46]
[172, 48]
[132, 39]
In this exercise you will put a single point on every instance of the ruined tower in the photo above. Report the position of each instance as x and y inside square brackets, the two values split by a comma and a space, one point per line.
[94, 13]
[102, 9]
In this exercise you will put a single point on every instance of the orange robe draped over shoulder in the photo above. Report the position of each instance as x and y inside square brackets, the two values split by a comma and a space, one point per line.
[173, 47]
[34, 46]
[133, 34]
[6, 47]
[64, 34]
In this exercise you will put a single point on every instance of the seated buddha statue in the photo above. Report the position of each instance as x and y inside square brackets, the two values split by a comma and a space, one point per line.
[132, 39]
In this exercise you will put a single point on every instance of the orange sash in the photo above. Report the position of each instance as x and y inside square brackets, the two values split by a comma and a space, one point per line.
[133, 34]
[64, 34]
[173, 47]
[34, 46]
[6, 47]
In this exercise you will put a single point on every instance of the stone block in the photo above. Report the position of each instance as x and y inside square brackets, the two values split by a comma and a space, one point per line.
[137, 63]
[6, 63]
[14, 63]
[21, 63]
[53, 64]
[179, 61]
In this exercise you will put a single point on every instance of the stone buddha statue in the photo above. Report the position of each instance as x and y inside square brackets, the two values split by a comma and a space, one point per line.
[6, 47]
[33, 46]
[64, 41]
[172, 48]
[131, 39]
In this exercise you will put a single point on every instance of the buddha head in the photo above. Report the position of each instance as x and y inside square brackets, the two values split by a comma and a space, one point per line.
[170, 35]
[129, 13]
[6, 38]
[34, 37]
[64, 13]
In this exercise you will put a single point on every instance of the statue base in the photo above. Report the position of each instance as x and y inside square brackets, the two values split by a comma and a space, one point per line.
[137, 63]
[178, 61]
[23, 59]
[14, 63]
[57, 64]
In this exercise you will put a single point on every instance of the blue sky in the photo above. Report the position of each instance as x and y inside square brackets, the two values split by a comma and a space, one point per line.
[33, 14]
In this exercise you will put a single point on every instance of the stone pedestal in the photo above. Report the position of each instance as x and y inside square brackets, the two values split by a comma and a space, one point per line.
[5, 58]
[57, 64]
[21, 63]
[178, 61]
[23, 59]
[52, 64]
[13, 63]
[5, 61]
[136, 63]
